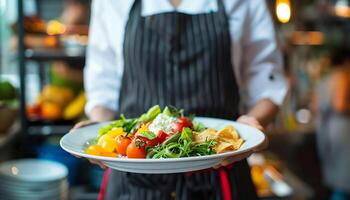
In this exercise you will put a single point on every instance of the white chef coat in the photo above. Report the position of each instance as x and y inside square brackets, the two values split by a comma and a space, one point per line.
[256, 58]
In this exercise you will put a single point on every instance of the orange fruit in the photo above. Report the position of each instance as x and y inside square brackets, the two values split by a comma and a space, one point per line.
[34, 111]
[51, 111]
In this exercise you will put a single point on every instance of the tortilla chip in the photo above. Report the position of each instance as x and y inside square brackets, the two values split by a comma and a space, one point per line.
[238, 143]
[208, 134]
[222, 147]
[227, 138]
[228, 132]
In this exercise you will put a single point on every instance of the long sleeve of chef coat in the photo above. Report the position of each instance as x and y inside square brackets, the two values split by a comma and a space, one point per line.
[256, 59]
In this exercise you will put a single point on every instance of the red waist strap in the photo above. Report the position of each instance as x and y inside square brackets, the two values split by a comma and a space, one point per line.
[224, 180]
[225, 185]
[103, 187]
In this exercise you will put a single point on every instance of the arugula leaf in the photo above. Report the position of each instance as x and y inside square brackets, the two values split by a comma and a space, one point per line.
[172, 139]
[191, 116]
[128, 125]
[203, 148]
[181, 145]
[198, 127]
[177, 112]
[186, 135]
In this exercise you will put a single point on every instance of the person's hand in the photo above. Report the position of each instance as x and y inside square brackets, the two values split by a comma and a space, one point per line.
[83, 123]
[251, 121]
[87, 123]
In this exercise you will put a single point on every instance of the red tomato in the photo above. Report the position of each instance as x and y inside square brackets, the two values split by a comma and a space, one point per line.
[186, 122]
[152, 143]
[162, 136]
[148, 142]
[183, 122]
[177, 127]
[136, 150]
[122, 144]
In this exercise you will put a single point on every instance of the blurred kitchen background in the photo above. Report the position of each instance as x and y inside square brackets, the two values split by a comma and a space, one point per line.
[42, 55]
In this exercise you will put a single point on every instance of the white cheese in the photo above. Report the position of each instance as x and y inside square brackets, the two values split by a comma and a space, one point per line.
[162, 122]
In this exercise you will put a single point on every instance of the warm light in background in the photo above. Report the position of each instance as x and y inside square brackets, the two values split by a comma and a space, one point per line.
[342, 8]
[54, 27]
[307, 38]
[283, 10]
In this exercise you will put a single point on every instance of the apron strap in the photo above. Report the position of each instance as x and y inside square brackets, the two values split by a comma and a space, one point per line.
[104, 183]
[224, 180]
[225, 184]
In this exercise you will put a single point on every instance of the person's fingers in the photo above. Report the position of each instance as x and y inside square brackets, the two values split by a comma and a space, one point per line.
[99, 163]
[83, 123]
[251, 121]
[216, 166]
[228, 161]
[248, 119]
[233, 159]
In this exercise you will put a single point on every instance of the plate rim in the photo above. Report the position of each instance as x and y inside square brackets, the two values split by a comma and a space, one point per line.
[183, 159]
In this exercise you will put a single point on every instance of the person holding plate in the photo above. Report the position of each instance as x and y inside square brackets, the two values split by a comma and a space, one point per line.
[209, 57]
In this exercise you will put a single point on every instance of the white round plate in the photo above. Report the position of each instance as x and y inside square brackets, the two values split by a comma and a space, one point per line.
[34, 189]
[15, 196]
[74, 143]
[33, 170]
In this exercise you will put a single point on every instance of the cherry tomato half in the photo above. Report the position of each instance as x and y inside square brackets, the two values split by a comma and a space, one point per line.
[162, 136]
[186, 122]
[148, 142]
[135, 150]
[122, 144]
[152, 143]
[183, 122]
[177, 127]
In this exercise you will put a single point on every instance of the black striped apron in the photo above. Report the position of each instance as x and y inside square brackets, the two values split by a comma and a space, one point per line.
[182, 60]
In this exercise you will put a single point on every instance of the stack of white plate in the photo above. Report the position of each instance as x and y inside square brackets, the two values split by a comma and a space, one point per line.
[33, 179]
